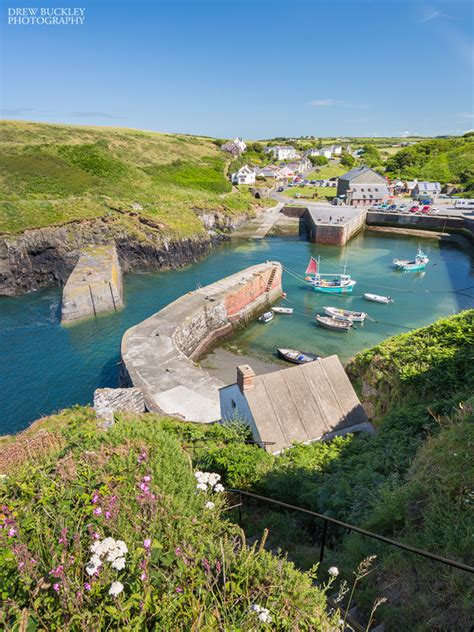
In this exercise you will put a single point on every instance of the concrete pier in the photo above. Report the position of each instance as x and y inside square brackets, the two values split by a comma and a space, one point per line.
[95, 285]
[159, 355]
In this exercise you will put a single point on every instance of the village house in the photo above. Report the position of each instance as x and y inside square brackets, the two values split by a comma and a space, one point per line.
[305, 403]
[235, 147]
[336, 150]
[426, 189]
[319, 152]
[362, 186]
[409, 185]
[245, 175]
[270, 171]
[282, 152]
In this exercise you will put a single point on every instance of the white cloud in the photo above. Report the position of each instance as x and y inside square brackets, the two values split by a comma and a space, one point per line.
[430, 14]
[466, 115]
[324, 103]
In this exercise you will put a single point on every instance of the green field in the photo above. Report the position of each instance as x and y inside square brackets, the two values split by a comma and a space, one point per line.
[52, 174]
[307, 193]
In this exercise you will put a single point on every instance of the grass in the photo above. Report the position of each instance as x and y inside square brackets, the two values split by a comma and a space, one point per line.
[332, 170]
[53, 174]
[307, 192]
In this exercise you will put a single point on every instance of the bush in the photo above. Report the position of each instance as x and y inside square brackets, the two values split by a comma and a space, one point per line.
[319, 161]
[348, 161]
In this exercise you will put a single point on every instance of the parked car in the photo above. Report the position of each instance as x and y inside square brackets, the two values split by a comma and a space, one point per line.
[383, 207]
[313, 181]
[402, 208]
[280, 189]
[414, 209]
[434, 209]
[425, 208]
[392, 207]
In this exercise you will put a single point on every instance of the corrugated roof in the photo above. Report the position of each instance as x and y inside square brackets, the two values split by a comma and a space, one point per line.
[303, 403]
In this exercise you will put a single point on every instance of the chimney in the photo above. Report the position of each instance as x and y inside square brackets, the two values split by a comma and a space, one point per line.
[245, 375]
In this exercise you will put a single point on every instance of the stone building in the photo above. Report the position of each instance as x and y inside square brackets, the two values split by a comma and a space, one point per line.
[362, 186]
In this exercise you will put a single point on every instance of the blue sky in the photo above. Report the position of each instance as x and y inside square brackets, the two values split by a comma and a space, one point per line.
[257, 68]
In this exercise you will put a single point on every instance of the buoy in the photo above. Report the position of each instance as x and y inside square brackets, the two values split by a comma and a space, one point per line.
[284, 294]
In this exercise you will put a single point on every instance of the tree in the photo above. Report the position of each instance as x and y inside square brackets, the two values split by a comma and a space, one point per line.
[348, 161]
[371, 156]
[319, 161]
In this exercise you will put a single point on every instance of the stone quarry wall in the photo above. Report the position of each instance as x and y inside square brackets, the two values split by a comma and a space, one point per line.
[159, 354]
[95, 285]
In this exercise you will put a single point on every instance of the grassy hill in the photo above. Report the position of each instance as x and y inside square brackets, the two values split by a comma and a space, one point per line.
[443, 159]
[51, 174]
[108, 530]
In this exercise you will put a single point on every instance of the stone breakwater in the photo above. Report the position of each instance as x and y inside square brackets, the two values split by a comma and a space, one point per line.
[159, 355]
[94, 286]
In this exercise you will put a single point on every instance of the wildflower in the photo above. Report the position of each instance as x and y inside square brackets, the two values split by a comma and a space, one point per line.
[12, 532]
[96, 536]
[201, 486]
[147, 543]
[206, 565]
[107, 515]
[263, 613]
[209, 505]
[121, 546]
[97, 511]
[56, 572]
[62, 538]
[219, 488]
[119, 563]
[147, 478]
[115, 589]
[218, 566]
[95, 498]
[179, 551]
[87, 586]
[143, 576]
[142, 457]
[179, 589]
[56, 587]
[333, 571]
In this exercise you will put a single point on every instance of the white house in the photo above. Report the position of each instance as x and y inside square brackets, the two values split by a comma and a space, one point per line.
[270, 171]
[235, 147]
[282, 152]
[326, 152]
[245, 175]
[325, 404]
[336, 150]
[426, 189]
[240, 144]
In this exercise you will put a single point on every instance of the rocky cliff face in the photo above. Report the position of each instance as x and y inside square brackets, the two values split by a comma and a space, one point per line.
[46, 256]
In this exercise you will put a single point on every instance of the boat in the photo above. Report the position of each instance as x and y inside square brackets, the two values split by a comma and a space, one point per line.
[345, 314]
[282, 310]
[266, 317]
[412, 265]
[297, 357]
[379, 299]
[328, 283]
[332, 323]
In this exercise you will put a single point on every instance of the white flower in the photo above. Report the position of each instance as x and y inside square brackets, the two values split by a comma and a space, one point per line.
[95, 560]
[219, 488]
[209, 505]
[121, 546]
[201, 486]
[108, 543]
[333, 571]
[115, 589]
[119, 563]
[255, 607]
[92, 568]
[113, 554]
[264, 616]
[96, 547]
[213, 479]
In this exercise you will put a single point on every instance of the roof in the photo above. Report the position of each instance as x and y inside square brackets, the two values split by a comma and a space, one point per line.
[428, 186]
[358, 171]
[370, 190]
[303, 403]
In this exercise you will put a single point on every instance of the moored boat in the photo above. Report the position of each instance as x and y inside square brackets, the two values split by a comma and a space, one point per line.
[282, 310]
[376, 298]
[335, 284]
[297, 357]
[345, 314]
[332, 323]
[266, 317]
[412, 265]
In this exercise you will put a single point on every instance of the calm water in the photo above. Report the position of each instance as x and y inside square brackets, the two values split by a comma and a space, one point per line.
[45, 367]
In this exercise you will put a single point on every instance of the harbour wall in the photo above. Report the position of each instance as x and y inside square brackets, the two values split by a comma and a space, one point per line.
[95, 285]
[463, 225]
[337, 234]
[159, 355]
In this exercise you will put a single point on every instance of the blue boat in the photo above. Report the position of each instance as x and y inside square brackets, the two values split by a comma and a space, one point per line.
[413, 265]
[328, 283]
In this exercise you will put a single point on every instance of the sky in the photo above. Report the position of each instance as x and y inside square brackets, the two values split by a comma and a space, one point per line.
[253, 68]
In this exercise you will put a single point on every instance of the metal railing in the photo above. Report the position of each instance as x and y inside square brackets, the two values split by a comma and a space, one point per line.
[328, 520]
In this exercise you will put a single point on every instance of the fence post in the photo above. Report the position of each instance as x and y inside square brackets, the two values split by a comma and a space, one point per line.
[323, 542]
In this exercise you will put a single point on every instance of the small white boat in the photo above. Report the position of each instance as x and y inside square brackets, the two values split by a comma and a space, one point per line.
[282, 310]
[379, 299]
[332, 323]
[266, 317]
[297, 357]
[345, 314]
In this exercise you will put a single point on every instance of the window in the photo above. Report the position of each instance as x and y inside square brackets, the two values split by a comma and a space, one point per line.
[234, 405]
[376, 189]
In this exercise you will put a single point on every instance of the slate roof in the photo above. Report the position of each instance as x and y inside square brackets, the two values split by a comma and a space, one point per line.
[303, 403]
[357, 171]
[426, 187]
[370, 191]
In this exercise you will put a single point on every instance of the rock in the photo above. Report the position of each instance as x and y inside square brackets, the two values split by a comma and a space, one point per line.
[368, 390]
[110, 400]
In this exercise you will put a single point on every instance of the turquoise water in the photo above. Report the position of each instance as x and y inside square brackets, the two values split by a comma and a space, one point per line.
[45, 367]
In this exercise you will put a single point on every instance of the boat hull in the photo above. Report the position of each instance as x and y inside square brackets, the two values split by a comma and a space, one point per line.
[375, 298]
[334, 290]
[296, 357]
[332, 324]
[342, 314]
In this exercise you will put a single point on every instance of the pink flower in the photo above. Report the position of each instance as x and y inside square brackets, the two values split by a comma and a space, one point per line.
[143, 576]
[179, 589]
[144, 487]
[107, 515]
[97, 511]
[147, 478]
[95, 498]
[147, 543]
[56, 587]
[96, 536]
[12, 532]
[87, 586]
[142, 456]
[178, 550]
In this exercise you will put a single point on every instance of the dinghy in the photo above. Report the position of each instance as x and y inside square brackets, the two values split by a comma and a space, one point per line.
[333, 323]
[297, 357]
[376, 298]
[345, 314]
[282, 310]
[266, 317]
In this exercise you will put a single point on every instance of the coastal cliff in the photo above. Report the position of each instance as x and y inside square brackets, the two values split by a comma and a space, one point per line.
[44, 257]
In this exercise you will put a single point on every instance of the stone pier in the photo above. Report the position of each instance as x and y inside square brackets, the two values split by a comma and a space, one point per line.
[95, 285]
[159, 355]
